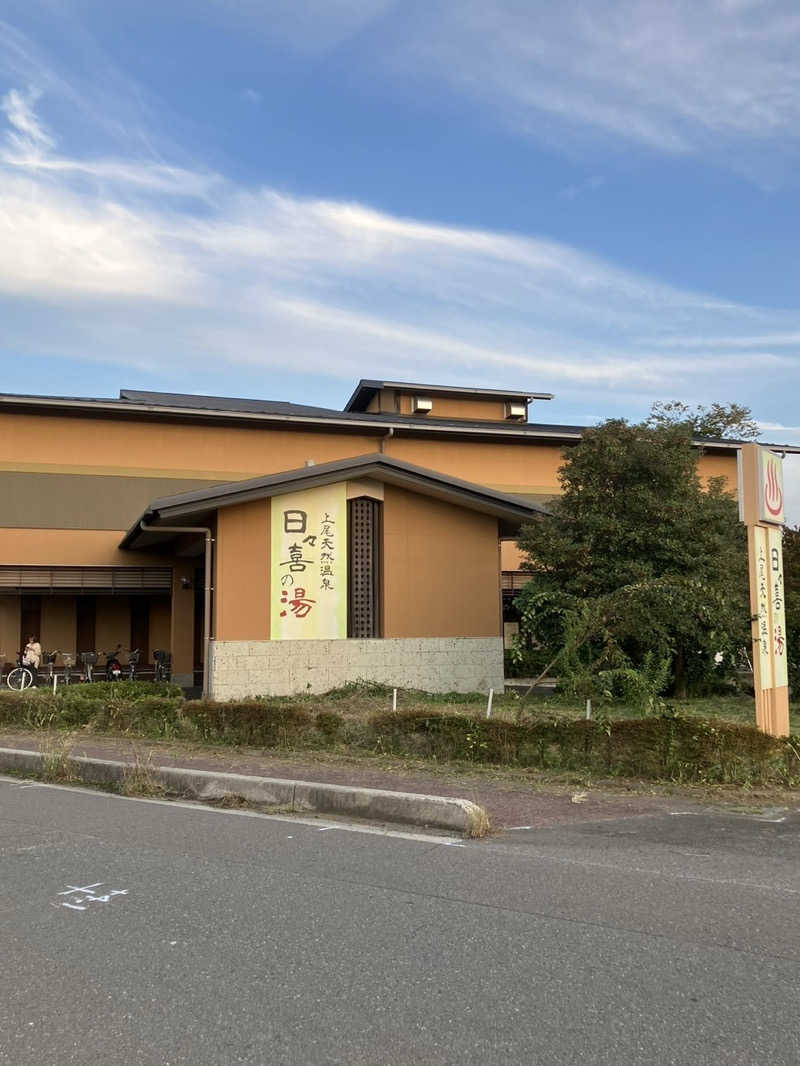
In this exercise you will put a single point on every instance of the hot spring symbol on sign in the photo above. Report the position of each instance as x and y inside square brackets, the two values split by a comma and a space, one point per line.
[770, 480]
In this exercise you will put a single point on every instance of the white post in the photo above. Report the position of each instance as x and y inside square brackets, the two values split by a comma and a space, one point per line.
[394, 699]
[489, 703]
[55, 680]
[588, 708]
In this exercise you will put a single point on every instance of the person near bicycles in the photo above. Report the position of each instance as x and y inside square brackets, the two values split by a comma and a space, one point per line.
[32, 655]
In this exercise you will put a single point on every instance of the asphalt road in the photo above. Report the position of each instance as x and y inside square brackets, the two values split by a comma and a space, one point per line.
[136, 932]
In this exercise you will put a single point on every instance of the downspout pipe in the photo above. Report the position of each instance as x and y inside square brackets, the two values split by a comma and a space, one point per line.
[205, 530]
[386, 437]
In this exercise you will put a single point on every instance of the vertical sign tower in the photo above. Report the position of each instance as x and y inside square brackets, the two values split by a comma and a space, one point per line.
[761, 509]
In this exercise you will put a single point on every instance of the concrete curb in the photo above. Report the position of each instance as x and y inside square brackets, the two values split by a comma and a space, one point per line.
[301, 797]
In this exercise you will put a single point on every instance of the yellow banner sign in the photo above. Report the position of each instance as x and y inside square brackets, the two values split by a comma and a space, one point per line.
[760, 545]
[308, 564]
[780, 666]
[771, 612]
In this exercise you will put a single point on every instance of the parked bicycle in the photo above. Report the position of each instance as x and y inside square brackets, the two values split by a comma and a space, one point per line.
[113, 664]
[88, 660]
[163, 661]
[68, 660]
[50, 661]
[23, 675]
[133, 662]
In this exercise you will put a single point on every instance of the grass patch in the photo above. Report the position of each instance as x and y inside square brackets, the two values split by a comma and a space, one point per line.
[706, 742]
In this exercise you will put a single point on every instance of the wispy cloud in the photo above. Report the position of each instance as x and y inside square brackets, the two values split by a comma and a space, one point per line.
[165, 268]
[26, 139]
[676, 76]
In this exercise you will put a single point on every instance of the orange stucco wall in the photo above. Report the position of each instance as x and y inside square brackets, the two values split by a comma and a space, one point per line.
[427, 544]
[506, 466]
[121, 446]
[242, 572]
[440, 569]
[449, 407]
[70, 547]
[202, 452]
[723, 466]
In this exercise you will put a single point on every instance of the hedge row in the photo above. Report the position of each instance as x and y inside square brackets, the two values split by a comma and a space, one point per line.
[658, 747]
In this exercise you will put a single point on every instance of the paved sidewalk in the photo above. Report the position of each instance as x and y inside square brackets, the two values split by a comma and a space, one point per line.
[509, 804]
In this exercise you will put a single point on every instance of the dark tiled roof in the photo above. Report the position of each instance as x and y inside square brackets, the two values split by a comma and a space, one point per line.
[222, 403]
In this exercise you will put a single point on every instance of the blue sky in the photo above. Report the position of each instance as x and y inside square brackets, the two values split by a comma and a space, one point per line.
[276, 198]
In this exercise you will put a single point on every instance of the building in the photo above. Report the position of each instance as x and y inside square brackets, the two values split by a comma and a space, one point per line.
[197, 525]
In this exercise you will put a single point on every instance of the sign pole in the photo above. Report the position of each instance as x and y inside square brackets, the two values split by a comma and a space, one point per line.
[761, 510]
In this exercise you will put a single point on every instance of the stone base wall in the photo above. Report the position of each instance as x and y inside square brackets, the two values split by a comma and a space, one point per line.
[241, 668]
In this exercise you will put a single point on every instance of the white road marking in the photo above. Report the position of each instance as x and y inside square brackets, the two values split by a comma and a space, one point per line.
[85, 894]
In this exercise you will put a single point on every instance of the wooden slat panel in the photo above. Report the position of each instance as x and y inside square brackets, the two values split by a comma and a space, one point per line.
[363, 523]
[120, 578]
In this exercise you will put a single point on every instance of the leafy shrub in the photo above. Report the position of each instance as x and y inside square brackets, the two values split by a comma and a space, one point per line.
[664, 746]
[122, 706]
[27, 709]
[330, 724]
[248, 722]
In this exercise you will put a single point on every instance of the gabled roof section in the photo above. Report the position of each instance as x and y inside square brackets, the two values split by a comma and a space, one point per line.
[196, 507]
[367, 388]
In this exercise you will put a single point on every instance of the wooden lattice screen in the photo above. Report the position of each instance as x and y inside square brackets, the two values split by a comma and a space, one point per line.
[364, 531]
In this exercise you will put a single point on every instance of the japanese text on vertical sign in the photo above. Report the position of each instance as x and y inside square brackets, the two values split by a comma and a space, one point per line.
[763, 591]
[293, 595]
[327, 555]
[308, 568]
[777, 610]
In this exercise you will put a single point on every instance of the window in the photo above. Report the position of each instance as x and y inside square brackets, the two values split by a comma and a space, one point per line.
[364, 567]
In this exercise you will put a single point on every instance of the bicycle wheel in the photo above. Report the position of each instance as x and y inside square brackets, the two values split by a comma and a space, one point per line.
[19, 678]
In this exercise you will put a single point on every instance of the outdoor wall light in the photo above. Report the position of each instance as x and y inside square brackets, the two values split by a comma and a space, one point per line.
[186, 583]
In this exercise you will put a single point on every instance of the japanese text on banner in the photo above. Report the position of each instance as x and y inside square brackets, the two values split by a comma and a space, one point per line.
[308, 567]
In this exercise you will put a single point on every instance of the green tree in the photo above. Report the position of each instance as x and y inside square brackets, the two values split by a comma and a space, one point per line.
[720, 421]
[663, 559]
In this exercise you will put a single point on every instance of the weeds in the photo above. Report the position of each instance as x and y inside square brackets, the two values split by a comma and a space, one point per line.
[56, 751]
[139, 779]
